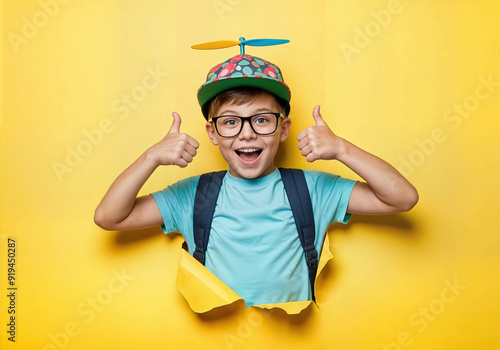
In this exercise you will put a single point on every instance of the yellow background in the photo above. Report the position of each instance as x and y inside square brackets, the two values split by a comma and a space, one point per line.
[391, 93]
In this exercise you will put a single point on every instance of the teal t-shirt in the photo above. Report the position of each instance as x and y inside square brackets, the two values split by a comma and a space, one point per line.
[254, 247]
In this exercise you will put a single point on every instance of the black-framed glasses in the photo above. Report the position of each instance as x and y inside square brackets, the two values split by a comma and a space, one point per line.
[264, 123]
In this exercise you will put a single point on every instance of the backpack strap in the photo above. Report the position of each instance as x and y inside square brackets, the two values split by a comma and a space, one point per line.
[205, 199]
[296, 189]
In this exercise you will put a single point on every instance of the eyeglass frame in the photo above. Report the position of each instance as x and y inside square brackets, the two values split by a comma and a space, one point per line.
[249, 119]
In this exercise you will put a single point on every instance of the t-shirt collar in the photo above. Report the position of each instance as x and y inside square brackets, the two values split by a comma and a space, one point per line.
[253, 182]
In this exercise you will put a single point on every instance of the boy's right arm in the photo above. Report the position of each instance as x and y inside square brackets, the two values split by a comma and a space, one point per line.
[120, 208]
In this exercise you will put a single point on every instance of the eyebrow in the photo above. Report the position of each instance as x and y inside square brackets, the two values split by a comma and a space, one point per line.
[263, 109]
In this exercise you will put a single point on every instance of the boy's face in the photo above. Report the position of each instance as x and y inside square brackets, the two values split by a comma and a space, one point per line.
[250, 165]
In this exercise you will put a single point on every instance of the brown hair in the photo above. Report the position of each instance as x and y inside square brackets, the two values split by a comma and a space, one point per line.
[239, 96]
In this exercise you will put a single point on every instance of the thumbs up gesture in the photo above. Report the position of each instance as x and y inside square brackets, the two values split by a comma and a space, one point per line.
[318, 141]
[175, 148]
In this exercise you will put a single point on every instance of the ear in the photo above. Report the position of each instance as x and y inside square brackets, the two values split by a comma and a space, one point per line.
[286, 124]
[209, 128]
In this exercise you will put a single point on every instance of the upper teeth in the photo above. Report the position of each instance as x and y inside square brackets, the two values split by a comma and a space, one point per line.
[248, 150]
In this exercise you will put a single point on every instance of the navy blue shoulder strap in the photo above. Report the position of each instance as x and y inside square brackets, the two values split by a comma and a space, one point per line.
[299, 197]
[205, 199]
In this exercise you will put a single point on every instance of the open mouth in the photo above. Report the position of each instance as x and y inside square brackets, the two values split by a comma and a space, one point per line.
[249, 154]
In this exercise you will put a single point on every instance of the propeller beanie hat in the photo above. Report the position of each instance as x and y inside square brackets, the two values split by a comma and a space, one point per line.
[243, 70]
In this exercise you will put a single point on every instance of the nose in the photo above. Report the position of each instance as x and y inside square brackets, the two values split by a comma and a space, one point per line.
[247, 132]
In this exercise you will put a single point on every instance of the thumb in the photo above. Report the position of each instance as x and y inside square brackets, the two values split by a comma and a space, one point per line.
[176, 123]
[318, 119]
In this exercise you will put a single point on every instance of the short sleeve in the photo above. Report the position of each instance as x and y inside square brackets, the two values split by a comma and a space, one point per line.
[330, 196]
[175, 203]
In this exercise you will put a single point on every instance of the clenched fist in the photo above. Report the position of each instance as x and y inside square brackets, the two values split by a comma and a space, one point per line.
[175, 148]
[318, 141]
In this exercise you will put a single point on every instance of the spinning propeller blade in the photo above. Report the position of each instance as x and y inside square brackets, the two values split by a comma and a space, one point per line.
[221, 44]
[265, 42]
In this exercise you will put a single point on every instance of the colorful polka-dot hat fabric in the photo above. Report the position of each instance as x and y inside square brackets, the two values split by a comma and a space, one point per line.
[243, 70]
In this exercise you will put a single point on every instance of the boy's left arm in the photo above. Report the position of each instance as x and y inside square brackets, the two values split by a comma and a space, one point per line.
[386, 191]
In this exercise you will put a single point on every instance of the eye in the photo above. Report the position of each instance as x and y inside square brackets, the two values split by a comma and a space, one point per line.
[263, 119]
[230, 121]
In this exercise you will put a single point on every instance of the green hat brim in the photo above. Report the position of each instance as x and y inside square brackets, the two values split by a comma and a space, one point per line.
[212, 89]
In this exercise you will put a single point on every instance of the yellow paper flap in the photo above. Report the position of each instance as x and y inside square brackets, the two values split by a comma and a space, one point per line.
[291, 308]
[204, 291]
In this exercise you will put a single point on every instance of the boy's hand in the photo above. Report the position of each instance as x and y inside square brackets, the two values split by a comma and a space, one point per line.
[319, 142]
[175, 148]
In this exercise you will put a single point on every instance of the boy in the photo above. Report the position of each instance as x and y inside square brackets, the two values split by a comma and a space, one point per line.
[254, 246]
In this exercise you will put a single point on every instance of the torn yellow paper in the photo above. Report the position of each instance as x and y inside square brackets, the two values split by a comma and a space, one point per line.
[204, 291]
[291, 308]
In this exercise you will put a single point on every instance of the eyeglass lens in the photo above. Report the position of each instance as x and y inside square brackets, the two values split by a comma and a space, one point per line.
[262, 124]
